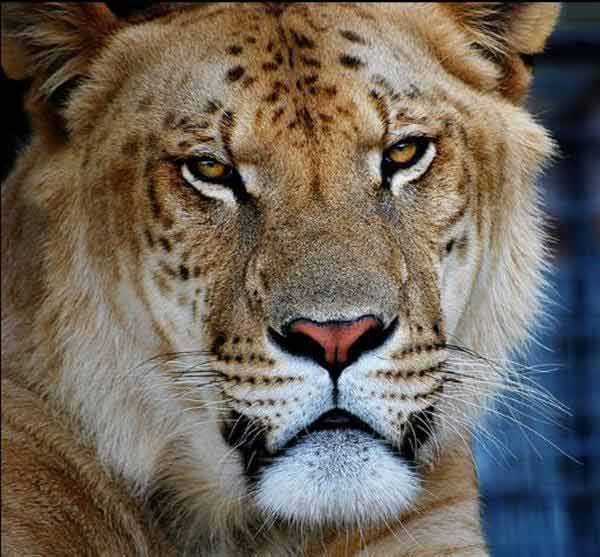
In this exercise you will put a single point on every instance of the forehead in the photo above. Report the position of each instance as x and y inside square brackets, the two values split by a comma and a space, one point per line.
[283, 72]
[317, 37]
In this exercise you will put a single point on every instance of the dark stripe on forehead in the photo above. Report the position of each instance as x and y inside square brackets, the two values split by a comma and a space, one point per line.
[310, 61]
[352, 37]
[302, 41]
[226, 128]
[381, 107]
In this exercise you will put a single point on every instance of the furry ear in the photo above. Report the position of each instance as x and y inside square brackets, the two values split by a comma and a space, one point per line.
[508, 33]
[52, 44]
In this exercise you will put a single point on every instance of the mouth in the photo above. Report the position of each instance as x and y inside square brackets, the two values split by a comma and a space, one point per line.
[256, 456]
[419, 429]
[336, 419]
[253, 447]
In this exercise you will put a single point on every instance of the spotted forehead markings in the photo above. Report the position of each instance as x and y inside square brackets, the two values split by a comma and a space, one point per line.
[235, 73]
[305, 42]
[300, 40]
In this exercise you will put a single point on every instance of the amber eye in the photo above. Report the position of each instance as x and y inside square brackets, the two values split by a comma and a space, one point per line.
[406, 160]
[403, 153]
[201, 172]
[407, 152]
[209, 170]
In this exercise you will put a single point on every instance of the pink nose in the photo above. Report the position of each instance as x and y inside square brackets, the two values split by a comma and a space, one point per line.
[336, 338]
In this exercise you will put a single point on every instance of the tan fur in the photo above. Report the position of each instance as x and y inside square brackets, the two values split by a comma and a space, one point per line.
[112, 262]
[55, 498]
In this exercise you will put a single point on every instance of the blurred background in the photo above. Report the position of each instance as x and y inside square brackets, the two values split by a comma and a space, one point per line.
[543, 499]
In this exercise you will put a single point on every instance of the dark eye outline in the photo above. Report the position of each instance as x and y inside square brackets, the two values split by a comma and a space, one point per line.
[231, 180]
[389, 167]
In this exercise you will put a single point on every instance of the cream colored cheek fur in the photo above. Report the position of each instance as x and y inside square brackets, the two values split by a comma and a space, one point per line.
[456, 275]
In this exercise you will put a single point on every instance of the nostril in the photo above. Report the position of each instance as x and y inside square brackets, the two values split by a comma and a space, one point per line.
[333, 344]
[371, 339]
[297, 344]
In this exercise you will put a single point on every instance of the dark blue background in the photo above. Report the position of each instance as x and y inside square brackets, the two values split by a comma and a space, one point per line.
[539, 502]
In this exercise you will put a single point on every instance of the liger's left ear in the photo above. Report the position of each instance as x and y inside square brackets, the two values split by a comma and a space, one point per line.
[508, 33]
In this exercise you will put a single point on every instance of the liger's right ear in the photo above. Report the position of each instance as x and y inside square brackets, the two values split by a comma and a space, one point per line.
[52, 44]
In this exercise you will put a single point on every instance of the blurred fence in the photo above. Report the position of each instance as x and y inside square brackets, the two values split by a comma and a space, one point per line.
[540, 502]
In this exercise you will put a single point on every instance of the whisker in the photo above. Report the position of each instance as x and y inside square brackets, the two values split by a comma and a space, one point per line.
[513, 420]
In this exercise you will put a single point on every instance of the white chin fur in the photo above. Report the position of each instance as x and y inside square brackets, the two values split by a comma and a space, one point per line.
[336, 478]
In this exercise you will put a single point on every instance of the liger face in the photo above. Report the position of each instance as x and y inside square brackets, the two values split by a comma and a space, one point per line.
[304, 201]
